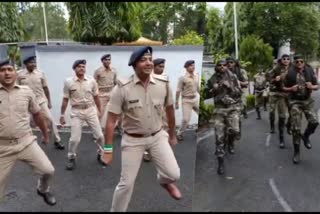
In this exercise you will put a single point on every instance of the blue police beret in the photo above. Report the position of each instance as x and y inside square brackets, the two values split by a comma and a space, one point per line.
[298, 56]
[5, 62]
[158, 61]
[78, 62]
[105, 56]
[28, 59]
[187, 63]
[137, 54]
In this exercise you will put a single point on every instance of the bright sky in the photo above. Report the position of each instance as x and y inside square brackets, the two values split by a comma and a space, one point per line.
[219, 5]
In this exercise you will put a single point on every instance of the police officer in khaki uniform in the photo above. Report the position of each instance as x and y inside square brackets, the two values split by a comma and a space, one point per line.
[17, 142]
[37, 81]
[188, 86]
[141, 100]
[159, 65]
[106, 77]
[83, 93]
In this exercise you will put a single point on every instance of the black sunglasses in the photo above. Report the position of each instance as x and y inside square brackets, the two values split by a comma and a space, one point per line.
[286, 58]
[219, 65]
[299, 61]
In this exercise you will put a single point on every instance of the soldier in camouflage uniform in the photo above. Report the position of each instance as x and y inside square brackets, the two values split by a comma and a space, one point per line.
[300, 82]
[278, 97]
[234, 66]
[266, 93]
[226, 91]
[260, 85]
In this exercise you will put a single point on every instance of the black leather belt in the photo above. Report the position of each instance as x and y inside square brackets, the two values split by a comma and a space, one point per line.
[142, 135]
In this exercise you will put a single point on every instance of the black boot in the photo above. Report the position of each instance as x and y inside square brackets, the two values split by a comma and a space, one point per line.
[309, 130]
[271, 118]
[71, 164]
[258, 113]
[59, 145]
[240, 129]
[296, 154]
[281, 124]
[220, 166]
[288, 126]
[231, 145]
[265, 100]
[244, 112]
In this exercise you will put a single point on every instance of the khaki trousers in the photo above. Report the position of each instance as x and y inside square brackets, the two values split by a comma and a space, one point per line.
[78, 117]
[48, 115]
[30, 153]
[187, 106]
[104, 102]
[132, 150]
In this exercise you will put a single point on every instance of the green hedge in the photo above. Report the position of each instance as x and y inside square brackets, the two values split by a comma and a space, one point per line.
[250, 101]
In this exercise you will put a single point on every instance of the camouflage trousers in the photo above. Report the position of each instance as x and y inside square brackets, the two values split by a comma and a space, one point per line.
[279, 103]
[259, 99]
[297, 108]
[227, 126]
[244, 97]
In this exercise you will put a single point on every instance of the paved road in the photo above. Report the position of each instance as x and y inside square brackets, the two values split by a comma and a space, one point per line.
[260, 176]
[90, 187]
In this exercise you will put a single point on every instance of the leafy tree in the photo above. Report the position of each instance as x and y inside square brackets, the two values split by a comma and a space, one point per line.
[259, 54]
[33, 22]
[279, 22]
[214, 30]
[191, 38]
[275, 23]
[158, 18]
[10, 22]
[104, 22]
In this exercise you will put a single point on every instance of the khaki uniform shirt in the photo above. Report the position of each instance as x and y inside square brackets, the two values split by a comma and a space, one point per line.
[15, 108]
[36, 80]
[106, 80]
[80, 93]
[188, 85]
[142, 108]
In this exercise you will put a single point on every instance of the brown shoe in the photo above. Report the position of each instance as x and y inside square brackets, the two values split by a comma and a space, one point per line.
[173, 190]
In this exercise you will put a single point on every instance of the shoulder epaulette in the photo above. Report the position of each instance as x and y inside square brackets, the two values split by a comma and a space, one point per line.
[164, 78]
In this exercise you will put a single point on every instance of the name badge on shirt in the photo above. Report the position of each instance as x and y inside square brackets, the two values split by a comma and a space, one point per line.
[133, 101]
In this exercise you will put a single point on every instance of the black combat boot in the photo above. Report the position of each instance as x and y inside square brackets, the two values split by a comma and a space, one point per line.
[271, 118]
[265, 100]
[309, 130]
[281, 124]
[220, 170]
[244, 112]
[240, 129]
[288, 126]
[296, 154]
[258, 113]
[231, 146]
